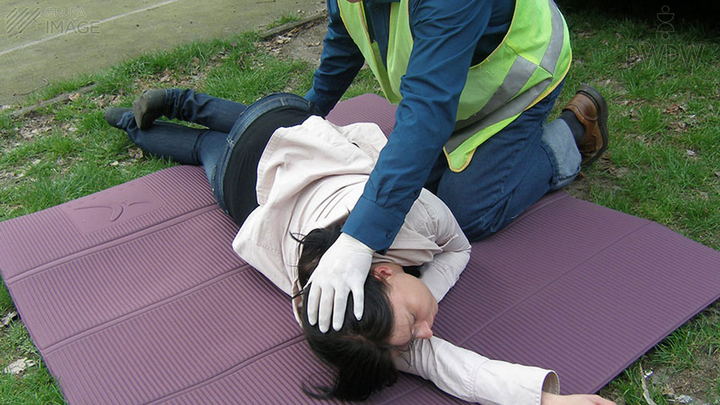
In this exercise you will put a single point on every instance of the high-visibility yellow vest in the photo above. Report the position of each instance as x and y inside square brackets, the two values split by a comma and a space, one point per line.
[529, 63]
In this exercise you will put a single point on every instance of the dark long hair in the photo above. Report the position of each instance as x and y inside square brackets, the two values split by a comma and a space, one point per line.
[360, 352]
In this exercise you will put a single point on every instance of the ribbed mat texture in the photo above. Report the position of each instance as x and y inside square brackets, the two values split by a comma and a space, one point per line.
[134, 296]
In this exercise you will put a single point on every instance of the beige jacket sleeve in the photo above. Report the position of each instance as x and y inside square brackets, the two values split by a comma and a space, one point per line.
[443, 271]
[474, 378]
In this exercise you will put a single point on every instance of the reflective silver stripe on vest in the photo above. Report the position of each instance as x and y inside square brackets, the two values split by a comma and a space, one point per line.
[502, 105]
[512, 108]
[556, 40]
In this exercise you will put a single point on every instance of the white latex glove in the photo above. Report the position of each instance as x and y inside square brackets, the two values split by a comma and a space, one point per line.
[342, 270]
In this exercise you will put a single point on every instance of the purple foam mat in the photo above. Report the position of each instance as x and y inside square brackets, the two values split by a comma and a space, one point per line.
[134, 296]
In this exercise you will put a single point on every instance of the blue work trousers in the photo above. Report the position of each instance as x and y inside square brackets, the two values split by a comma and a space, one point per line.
[509, 172]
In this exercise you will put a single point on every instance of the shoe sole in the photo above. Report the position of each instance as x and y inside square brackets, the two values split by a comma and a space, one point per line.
[139, 107]
[602, 111]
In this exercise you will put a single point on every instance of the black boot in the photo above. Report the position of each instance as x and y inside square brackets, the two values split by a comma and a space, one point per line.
[113, 115]
[149, 107]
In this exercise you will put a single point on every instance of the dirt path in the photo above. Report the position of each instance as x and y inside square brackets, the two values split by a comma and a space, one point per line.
[304, 42]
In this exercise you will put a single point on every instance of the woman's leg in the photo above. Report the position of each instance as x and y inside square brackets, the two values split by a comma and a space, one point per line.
[215, 113]
[172, 141]
[187, 105]
[182, 144]
[230, 159]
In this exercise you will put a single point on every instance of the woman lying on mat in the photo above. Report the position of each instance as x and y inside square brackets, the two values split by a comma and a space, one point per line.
[286, 176]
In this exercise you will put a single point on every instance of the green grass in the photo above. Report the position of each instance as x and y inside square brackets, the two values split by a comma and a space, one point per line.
[663, 163]
[35, 386]
[664, 158]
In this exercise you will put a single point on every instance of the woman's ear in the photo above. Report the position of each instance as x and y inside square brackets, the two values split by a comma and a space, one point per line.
[382, 271]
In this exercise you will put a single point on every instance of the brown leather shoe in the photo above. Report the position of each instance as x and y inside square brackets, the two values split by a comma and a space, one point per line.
[591, 110]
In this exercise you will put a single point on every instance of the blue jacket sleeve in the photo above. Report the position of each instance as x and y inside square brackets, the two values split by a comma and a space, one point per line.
[340, 62]
[446, 33]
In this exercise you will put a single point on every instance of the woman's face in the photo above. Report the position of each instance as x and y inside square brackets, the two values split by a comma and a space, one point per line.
[413, 305]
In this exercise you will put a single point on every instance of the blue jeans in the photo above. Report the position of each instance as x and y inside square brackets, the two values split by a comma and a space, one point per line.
[509, 172]
[226, 123]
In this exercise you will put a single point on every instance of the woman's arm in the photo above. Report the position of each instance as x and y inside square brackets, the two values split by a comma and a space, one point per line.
[471, 377]
[474, 378]
[441, 274]
[460, 372]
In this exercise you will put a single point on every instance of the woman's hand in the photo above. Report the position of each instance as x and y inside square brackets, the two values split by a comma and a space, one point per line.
[552, 399]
